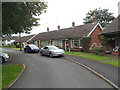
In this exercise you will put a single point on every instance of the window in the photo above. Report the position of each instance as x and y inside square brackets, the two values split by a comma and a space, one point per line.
[75, 43]
[57, 43]
[45, 48]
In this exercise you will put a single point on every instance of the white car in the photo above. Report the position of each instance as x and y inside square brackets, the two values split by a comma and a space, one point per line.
[3, 57]
[51, 51]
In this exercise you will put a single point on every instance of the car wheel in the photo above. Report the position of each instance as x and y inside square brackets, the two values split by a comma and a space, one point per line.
[3, 60]
[24, 51]
[51, 55]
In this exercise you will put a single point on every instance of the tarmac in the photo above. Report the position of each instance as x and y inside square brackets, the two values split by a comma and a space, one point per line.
[108, 71]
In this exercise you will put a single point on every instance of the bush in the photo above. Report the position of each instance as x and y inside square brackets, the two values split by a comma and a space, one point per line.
[17, 46]
[85, 43]
[59, 47]
[97, 50]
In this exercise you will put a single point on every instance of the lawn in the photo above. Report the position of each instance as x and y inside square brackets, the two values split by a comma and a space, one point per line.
[74, 53]
[95, 57]
[13, 47]
[10, 73]
[103, 59]
[113, 62]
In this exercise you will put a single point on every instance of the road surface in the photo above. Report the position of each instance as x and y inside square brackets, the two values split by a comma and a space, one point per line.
[46, 72]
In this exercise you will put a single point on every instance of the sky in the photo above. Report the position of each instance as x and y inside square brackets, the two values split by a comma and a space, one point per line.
[64, 12]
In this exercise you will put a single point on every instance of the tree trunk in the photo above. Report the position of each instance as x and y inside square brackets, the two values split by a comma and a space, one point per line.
[20, 42]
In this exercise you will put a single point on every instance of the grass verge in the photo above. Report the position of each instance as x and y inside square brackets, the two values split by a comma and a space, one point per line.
[10, 73]
[114, 62]
[74, 53]
[13, 47]
[103, 59]
[95, 57]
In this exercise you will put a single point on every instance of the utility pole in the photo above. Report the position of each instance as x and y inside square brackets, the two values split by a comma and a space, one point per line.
[20, 42]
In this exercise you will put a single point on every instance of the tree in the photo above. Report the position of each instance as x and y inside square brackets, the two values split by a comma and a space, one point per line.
[106, 40]
[20, 17]
[103, 16]
[85, 43]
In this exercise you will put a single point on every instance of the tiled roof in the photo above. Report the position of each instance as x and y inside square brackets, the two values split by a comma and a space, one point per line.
[24, 38]
[10, 38]
[113, 27]
[75, 32]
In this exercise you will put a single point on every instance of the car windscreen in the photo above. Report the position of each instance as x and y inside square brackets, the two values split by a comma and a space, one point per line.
[33, 47]
[53, 48]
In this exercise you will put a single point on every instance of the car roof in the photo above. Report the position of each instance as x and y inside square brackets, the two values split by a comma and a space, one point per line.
[31, 45]
[50, 46]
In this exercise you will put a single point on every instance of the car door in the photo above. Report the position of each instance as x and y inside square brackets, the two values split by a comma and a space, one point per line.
[45, 51]
[28, 49]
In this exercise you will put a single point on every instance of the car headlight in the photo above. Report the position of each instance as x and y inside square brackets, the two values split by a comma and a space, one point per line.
[6, 55]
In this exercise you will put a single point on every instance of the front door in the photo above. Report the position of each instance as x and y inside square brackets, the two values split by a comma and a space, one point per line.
[66, 44]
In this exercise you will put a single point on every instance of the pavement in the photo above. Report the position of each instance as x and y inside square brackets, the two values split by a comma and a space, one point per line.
[108, 71]
[46, 72]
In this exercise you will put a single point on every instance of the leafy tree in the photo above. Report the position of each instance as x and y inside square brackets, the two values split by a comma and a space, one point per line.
[103, 16]
[106, 40]
[20, 17]
[85, 43]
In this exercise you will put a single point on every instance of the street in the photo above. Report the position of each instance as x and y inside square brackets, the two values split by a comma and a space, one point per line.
[46, 72]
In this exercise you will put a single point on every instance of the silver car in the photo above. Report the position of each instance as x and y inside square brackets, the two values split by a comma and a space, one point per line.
[51, 51]
[3, 57]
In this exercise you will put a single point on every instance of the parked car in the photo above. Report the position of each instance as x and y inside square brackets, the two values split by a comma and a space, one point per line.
[3, 57]
[51, 51]
[31, 48]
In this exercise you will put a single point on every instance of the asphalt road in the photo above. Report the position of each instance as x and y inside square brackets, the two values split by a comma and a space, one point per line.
[45, 72]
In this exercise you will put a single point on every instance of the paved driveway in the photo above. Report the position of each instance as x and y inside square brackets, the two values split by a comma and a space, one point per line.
[45, 72]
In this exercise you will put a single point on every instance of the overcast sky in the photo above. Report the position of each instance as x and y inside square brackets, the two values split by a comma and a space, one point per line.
[64, 12]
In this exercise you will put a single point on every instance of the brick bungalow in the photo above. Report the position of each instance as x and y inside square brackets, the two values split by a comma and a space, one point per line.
[113, 33]
[69, 38]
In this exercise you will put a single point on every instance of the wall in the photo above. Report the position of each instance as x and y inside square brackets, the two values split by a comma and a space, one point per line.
[94, 36]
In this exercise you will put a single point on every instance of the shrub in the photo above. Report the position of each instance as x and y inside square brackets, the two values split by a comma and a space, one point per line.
[97, 50]
[17, 46]
[85, 43]
[59, 47]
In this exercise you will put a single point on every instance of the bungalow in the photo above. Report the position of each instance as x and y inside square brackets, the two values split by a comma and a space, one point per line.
[25, 39]
[9, 40]
[112, 32]
[69, 38]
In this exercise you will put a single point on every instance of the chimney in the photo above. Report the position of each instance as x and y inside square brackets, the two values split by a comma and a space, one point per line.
[58, 27]
[94, 17]
[47, 29]
[73, 24]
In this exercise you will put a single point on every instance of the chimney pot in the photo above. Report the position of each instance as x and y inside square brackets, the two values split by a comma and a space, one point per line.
[73, 24]
[58, 27]
[94, 17]
[47, 29]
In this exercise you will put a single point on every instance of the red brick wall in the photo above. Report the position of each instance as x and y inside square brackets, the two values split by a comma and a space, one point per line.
[94, 35]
